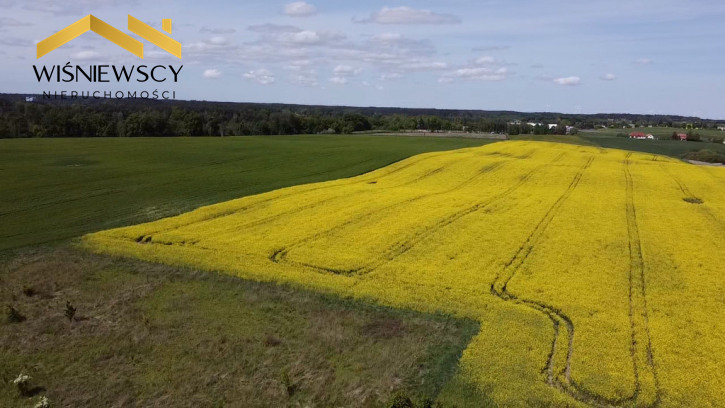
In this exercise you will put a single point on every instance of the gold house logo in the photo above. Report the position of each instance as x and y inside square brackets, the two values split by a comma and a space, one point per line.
[114, 35]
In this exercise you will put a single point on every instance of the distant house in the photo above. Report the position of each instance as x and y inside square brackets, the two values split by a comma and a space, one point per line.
[721, 128]
[29, 99]
[682, 136]
[637, 135]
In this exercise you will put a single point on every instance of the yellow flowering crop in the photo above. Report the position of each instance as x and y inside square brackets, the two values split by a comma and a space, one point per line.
[596, 275]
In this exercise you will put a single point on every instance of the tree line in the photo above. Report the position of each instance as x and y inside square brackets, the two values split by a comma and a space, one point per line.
[134, 118]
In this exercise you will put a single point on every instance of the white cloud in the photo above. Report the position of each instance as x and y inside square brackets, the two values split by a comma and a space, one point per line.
[338, 80]
[475, 73]
[212, 73]
[273, 28]
[298, 65]
[609, 77]
[218, 40]
[407, 15]
[300, 9]
[643, 61]
[305, 79]
[11, 22]
[76, 7]
[261, 76]
[215, 30]
[16, 42]
[346, 70]
[424, 66]
[85, 55]
[389, 37]
[389, 76]
[306, 37]
[485, 60]
[492, 48]
[568, 81]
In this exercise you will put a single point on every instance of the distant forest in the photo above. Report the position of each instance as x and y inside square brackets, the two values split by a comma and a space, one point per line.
[134, 118]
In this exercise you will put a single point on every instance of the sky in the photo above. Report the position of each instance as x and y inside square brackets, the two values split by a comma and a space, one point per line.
[572, 56]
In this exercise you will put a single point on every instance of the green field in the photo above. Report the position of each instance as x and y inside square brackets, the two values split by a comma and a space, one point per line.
[662, 132]
[54, 189]
[608, 138]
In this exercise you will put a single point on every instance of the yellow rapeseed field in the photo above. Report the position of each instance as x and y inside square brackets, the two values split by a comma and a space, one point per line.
[597, 275]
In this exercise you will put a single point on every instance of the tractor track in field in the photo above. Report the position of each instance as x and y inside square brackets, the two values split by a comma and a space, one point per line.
[280, 255]
[401, 248]
[561, 378]
[638, 308]
[499, 287]
[148, 237]
[637, 296]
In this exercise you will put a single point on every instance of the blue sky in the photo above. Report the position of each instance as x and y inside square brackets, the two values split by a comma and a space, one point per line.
[636, 56]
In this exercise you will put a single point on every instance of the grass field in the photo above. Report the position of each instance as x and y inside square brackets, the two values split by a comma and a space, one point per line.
[54, 189]
[608, 139]
[155, 336]
[595, 274]
[663, 133]
[665, 146]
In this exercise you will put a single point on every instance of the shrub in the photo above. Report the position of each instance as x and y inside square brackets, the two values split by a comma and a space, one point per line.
[289, 385]
[706, 156]
[22, 382]
[14, 315]
[693, 137]
[272, 341]
[70, 311]
[401, 401]
[44, 402]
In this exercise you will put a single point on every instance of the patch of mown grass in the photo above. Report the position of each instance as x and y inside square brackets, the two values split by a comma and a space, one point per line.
[151, 335]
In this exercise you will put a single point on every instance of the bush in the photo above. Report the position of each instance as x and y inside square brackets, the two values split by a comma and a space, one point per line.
[14, 315]
[693, 137]
[401, 401]
[707, 156]
[22, 382]
[44, 402]
[70, 311]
